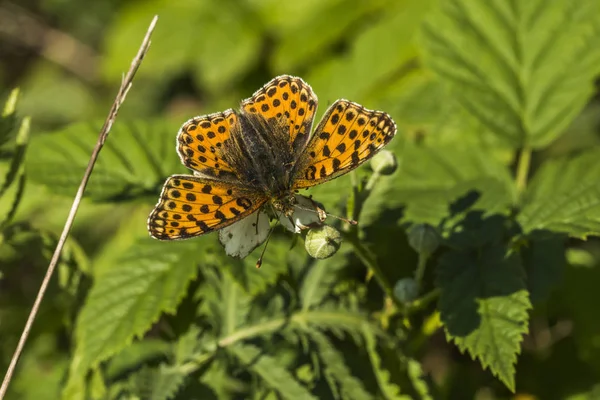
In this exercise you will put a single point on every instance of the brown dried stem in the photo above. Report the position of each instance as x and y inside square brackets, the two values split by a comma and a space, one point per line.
[112, 115]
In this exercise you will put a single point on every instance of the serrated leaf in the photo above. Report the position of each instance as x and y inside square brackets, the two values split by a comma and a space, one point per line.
[416, 375]
[15, 173]
[337, 320]
[322, 275]
[270, 371]
[150, 278]
[187, 345]
[235, 305]
[484, 306]
[350, 387]
[8, 118]
[160, 383]
[524, 69]
[564, 197]
[218, 379]
[275, 264]
[135, 159]
[389, 390]
[430, 177]
[135, 355]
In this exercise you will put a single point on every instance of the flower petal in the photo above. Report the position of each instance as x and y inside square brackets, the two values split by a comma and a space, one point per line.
[240, 238]
[306, 213]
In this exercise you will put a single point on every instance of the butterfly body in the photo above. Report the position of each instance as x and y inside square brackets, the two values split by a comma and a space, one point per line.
[257, 157]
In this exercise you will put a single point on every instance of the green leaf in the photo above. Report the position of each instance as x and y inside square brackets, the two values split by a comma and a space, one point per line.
[15, 173]
[389, 390]
[8, 118]
[270, 371]
[135, 159]
[430, 177]
[275, 263]
[160, 383]
[484, 306]
[135, 355]
[301, 42]
[417, 378]
[337, 320]
[215, 42]
[320, 279]
[187, 345]
[564, 197]
[578, 298]
[234, 304]
[524, 68]
[544, 261]
[350, 387]
[382, 50]
[232, 44]
[149, 279]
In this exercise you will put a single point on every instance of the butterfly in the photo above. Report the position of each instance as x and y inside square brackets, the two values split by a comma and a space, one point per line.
[248, 164]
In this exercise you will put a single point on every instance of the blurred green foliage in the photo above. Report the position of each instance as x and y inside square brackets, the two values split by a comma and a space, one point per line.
[498, 151]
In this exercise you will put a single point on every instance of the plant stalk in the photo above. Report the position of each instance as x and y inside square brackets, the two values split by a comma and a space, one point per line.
[120, 98]
[523, 169]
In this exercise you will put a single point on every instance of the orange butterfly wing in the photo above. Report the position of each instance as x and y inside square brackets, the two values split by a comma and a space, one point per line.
[288, 100]
[201, 139]
[346, 137]
[191, 206]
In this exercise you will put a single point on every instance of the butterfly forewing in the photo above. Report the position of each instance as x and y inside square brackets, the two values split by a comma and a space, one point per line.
[191, 206]
[200, 142]
[347, 136]
[291, 102]
[263, 152]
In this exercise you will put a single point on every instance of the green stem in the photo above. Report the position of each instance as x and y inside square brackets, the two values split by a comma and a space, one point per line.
[368, 259]
[423, 301]
[523, 169]
[421, 268]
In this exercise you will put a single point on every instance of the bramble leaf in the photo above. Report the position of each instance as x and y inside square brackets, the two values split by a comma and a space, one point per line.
[544, 262]
[134, 162]
[126, 300]
[161, 383]
[349, 386]
[484, 306]
[524, 69]
[320, 279]
[275, 264]
[430, 177]
[270, 371]
[390, 390]
[564, 197]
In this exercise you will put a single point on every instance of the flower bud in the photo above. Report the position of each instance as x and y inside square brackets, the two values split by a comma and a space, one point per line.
[423, 238]
[322, 242]
[384, 162]
[406, 290]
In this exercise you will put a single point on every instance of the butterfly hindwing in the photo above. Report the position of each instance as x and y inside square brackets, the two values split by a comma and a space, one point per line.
[191, 206]
[347, 136]
[201, 140]
[290, 102]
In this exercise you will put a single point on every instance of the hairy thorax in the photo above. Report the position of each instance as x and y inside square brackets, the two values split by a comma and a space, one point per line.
[284, 203]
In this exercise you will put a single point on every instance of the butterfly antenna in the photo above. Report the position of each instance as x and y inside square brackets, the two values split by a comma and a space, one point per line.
[320, 211]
